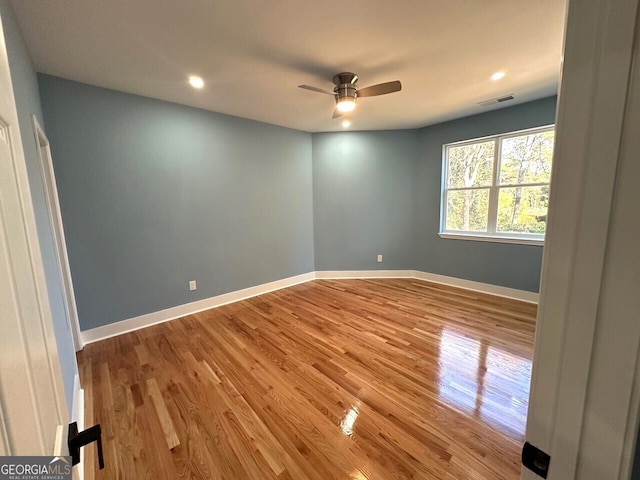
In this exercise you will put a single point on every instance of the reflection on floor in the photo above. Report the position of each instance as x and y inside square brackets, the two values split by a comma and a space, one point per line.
[352, 379]
[485, 381]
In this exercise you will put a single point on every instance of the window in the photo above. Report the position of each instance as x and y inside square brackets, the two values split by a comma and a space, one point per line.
[498, 200]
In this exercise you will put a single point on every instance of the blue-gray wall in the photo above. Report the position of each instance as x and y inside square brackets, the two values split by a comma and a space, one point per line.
[379, 193]
[508, 265]
[27, 98]
[362, 193]
[155, 194]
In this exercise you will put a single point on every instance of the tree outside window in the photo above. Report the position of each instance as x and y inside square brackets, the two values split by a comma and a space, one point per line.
[503, 198]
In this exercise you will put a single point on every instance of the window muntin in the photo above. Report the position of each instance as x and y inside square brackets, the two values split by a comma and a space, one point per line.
[498, 187]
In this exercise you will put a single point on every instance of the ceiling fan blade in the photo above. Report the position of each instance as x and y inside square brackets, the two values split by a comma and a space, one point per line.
[316, 89]
[336, 113]
[380, 89]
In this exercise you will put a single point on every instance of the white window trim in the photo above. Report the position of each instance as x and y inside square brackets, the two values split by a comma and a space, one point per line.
[492, 238]
[492, 235]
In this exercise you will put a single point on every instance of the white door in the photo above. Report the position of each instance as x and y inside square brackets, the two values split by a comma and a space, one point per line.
[32, 402]
[585, 394]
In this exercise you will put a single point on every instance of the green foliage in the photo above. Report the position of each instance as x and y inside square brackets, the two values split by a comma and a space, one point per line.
[468, 210]
[532, 214]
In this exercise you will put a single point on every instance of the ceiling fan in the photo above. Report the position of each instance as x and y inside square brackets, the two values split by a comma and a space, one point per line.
[346, 92]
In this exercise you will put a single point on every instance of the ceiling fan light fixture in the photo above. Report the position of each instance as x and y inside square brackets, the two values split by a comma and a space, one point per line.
[346, 104]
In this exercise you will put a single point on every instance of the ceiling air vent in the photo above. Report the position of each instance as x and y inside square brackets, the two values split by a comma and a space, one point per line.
[494, 101]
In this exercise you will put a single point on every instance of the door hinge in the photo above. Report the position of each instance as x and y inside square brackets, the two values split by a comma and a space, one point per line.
[76, 440]
[535, 460]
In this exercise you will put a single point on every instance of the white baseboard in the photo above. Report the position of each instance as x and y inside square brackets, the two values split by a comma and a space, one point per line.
[328, 275]
[522, 295]
[136, 323]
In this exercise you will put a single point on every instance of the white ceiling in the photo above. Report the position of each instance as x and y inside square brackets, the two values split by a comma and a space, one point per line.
[252, 54]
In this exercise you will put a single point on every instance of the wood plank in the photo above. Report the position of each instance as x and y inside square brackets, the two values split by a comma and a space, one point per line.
[170, 434]
[363, 379]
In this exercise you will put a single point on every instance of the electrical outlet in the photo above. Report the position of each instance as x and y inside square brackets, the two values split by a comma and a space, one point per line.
[379, 258]
[192, 285]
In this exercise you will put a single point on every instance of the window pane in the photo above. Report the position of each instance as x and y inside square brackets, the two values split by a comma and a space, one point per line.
[470, 165]
[467, 210]
[527, 159]
[523, 209]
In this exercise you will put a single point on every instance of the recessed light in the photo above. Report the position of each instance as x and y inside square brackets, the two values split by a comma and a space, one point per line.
[346, 123]
[498, 76]
[196, 82]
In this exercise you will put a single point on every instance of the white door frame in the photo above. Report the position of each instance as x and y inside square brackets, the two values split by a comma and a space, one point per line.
[57, 231]
[578, 333]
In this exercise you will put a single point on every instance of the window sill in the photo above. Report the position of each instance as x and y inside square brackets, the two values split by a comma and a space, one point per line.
[486, 238]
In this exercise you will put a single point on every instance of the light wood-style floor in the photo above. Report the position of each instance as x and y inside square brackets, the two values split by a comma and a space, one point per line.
[331, 379]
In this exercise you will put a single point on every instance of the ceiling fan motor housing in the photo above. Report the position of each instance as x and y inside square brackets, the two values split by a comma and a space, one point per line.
[346, 90]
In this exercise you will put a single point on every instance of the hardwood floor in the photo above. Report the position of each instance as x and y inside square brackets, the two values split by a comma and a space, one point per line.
[331, 379]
